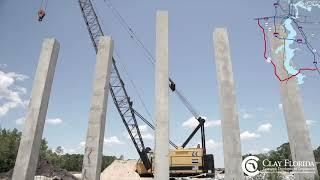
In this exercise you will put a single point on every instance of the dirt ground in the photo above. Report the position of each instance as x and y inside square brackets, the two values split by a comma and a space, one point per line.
[118, 170]
[125, 170]
[121, 170]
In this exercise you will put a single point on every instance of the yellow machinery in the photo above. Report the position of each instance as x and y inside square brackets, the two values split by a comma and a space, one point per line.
[183, 162]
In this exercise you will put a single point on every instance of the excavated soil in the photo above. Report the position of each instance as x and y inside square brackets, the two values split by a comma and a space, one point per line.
[122, 170]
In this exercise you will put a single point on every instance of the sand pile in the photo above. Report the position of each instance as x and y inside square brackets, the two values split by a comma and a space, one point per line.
[121, 170]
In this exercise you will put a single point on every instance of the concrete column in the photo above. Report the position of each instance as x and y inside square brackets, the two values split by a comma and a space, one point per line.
[162, 99]
[228, 107]
[298, 131]
[28, 154]
[97, 116]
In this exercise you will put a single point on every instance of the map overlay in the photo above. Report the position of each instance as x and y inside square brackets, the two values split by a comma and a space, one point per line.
[301, 21]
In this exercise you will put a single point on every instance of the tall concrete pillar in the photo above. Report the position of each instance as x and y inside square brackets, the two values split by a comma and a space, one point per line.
[97, 116]
[162, 99]
[298, 132]
[28, 154]
[228, 107]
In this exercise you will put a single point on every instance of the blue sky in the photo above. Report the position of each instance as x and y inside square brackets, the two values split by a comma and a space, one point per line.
[191, 65]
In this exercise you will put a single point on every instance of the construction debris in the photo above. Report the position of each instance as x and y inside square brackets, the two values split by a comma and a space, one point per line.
[48, 170]
[45, 170]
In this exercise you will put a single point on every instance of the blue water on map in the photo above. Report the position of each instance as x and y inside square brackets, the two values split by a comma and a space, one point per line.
[290, 51]
[301, 4]
[280, 48]
[292, 33]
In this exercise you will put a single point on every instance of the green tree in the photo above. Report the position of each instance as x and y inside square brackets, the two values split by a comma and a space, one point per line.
[106, 161]
[280, 154]
[9, 140]
[43, 149]
[9, 144]
[59, 150]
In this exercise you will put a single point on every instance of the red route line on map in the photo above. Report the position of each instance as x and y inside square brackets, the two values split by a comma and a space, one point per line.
[274, 66]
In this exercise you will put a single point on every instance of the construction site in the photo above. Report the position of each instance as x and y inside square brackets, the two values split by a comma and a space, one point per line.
[149, 137]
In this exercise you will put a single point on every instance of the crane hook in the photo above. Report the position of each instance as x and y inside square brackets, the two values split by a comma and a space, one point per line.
[41, 14]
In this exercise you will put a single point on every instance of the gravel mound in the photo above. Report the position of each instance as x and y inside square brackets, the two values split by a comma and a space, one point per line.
[48, 170]
[45, 169]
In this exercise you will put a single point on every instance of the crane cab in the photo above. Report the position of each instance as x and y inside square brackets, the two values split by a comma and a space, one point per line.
[183, 162]
[191, 162]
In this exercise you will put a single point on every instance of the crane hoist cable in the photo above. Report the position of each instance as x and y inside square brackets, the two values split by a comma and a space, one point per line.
[152, 127]
[118, 92]
[134, 87]
[130, 31]
[172, 85]
[149, 56]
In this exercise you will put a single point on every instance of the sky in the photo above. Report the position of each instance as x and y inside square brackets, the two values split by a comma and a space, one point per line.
[191, 60]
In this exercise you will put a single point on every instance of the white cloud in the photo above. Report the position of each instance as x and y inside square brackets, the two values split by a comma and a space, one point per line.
[18, 77]
[22, 90]
[311, 123]
[112, 140]
[257, 151]
[7, 106]
[190, 123]
[193, 122]
[79, 149]
[54, 121]
[70, 151]
[82, 143]
[213, 145]
[146, 135]
[253, 151]
[10, 93]
[212, 123]
[265, 150]
[280, 106]
[246, 115]
[3, 66]
[76, 150]
[264, 128]
[246, 135]
[20, 121]
[143, 128]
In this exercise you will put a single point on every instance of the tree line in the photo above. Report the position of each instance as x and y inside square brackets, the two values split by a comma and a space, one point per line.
[282, 153]
[9, 144]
